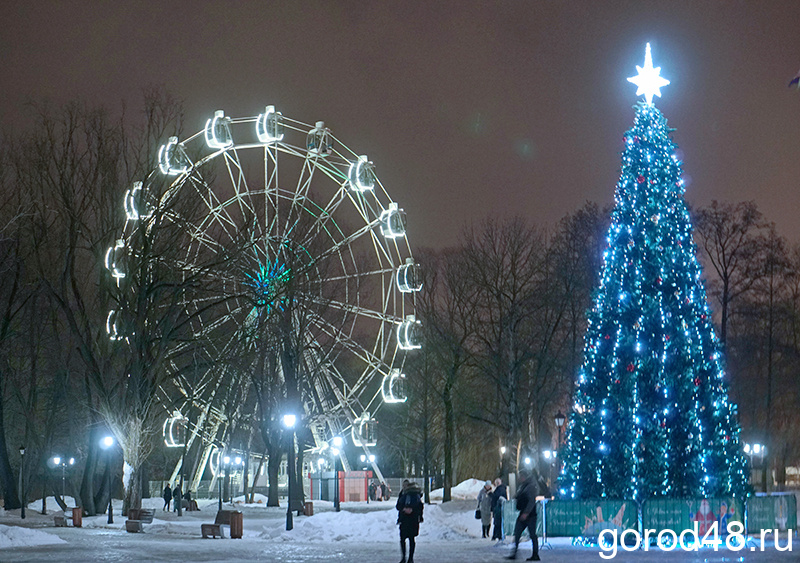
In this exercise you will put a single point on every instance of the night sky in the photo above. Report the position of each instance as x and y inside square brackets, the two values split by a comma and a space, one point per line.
[468, 109]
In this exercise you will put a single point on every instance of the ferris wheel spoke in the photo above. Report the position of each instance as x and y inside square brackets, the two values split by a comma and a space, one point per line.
[300, 194]
[271, 196]
[373, 362]
[238, 181]
[347, 241]
[325, 214]
[362, 274]
[362, 311]
[215, 210]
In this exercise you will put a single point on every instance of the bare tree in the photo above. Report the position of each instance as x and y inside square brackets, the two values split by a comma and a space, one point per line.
[447, 310]
[728, 235]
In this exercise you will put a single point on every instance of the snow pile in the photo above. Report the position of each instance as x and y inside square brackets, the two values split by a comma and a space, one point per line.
[258, 500]
[14, 536]
[376, 526]
[465, 490]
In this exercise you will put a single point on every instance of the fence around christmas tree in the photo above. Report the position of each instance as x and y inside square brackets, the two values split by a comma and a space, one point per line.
[585, 520]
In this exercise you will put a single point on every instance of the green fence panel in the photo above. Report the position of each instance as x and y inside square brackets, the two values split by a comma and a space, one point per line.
[510, 514]
[770, 512]
[588, 518]
[681, 514]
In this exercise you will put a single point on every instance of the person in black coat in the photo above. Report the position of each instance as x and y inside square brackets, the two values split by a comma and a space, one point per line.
[176, 497]
[526, 504]
[167, 497]
[499, 496]
[409, 515]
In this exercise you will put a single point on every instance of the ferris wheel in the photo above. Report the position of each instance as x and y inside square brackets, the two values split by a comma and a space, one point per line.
[297, 258]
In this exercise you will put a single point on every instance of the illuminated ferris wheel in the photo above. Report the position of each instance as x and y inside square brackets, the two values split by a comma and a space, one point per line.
[293, 244]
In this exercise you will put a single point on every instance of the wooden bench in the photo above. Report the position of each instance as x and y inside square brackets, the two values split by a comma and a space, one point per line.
[60, 520]
[223, 519]
[137, 517]
[146, 515]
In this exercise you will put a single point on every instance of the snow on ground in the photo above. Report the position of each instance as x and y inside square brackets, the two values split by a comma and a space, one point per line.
[465, 490]
[15, 536]
[379, 524]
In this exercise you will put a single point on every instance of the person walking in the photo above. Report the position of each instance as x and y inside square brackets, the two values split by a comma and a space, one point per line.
[409, 516]
[485, 508]
[499, 497]
[526, 504]
[167, 497]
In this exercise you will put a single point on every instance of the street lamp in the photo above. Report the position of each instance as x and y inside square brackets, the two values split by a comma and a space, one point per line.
[63, 462]
[22, 481]
[338, 443]
[106, 444]
[559, 419]
[289, 420]
[760, 451]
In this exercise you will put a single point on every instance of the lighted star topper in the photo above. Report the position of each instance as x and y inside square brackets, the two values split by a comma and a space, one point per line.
[648, 80]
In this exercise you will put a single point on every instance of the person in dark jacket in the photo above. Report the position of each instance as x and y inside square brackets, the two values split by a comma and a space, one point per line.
[499, 496]
[409, 515]
[176, 497]
[526, 504]
[167, 497]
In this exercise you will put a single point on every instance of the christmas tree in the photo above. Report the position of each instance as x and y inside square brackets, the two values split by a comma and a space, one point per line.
[651, 415]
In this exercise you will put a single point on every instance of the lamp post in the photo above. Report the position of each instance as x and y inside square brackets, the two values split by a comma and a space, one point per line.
[550, 456]
[559, 419]
[219, 483]
[289, 420]
[227, 478]
[757, 450]
[58, 460]
[106, 444]
[503, 461]
[238, 463]
[22, 481]
[338, 443]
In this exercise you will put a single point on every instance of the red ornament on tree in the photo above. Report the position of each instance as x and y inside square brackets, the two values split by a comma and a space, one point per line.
[697, 381]
[631, 367]
[640, 179]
